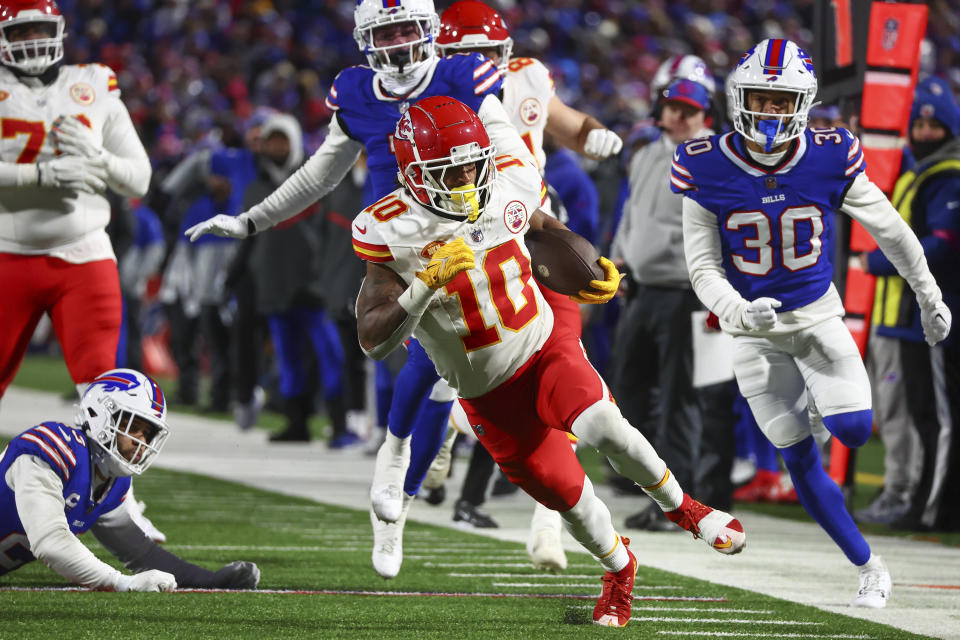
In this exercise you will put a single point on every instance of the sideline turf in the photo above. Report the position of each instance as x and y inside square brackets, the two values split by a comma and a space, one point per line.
[302, 545]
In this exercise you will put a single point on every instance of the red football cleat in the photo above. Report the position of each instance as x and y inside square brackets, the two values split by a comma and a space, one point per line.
[613, 607]
[717, 528]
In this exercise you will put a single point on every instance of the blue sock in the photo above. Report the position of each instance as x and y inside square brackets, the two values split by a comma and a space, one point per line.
[411, 389]
[428, 435]
[823, 500]
[852, 428]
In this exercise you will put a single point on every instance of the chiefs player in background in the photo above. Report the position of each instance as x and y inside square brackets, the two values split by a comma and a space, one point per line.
[65, 138]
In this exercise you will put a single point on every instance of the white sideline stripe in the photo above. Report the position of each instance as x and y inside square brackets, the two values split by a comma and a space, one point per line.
[505, 565]
[734, 634]
[565, 576]
[709, 609]
[593, 585]
[726, 621]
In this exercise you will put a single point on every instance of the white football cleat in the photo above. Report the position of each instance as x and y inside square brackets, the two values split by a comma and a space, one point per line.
[543, 544]
[717, 528]
[875, 584]
[386, 492]
[388, 542]
[545, 550]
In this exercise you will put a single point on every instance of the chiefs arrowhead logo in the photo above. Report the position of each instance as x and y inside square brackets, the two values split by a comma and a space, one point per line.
[404, 128]
[83, 93]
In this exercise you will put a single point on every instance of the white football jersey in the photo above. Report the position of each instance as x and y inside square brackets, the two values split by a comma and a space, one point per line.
[35, 219]
[527, 91]
[482, 326]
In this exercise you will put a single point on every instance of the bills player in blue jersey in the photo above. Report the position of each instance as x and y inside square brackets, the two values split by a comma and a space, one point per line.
[758, 224]
[58, 481]
[397, 37]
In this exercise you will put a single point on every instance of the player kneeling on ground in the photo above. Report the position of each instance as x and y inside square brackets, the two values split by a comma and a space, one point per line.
[447, 261]
[59, 481]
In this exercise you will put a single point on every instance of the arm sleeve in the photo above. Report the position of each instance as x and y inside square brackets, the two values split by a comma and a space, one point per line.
[39, 497]
[128, 166]
[866, 204]
[120, 535]
[701, 245]
[316, 178]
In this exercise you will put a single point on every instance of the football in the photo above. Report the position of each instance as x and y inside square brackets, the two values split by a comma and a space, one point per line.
[563, 261]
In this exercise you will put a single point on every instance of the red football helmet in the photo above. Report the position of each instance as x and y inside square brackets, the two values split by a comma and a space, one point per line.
[471, 25]
[36, 55]
[436, 135]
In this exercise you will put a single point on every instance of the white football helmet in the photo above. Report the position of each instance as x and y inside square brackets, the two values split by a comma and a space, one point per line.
[34, 56]
[108, 409]
[399, 59]
[688, 67]
[772, 65]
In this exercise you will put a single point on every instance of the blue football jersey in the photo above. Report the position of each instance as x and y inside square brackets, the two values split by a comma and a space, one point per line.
[776, 223]
[368, 114]
[65, 450]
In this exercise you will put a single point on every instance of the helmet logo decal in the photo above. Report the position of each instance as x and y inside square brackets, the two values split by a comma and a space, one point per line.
[82, 93]
[405, 128]
[515, 216]
[116, 381]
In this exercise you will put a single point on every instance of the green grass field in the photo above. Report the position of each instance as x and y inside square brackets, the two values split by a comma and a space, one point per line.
[316, 561]
[317, 580]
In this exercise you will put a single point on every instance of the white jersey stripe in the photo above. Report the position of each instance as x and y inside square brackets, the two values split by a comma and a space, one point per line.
[50, 452]
[60, 444]
[489, 82]
[681, 170]
[855, 166]
[482, 69]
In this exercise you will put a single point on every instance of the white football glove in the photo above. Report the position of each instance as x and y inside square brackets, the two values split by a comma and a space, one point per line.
[73, 138]
[936, 323]
[72, 172]
[760, 314]
[220, 225]
[602, 143]
[152, 580]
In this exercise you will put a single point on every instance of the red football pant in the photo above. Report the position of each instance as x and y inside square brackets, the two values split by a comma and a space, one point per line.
[566, 312]
[83, 301]
[524, 422]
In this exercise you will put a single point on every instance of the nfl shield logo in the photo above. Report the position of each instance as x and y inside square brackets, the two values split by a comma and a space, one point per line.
[771, 182]
[891, 32]
[476, 235]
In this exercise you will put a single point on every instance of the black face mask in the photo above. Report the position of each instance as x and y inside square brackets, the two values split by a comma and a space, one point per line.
[923, 149]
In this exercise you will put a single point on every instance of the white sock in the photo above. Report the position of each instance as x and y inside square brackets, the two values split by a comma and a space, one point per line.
[589, 523]
[666, 493]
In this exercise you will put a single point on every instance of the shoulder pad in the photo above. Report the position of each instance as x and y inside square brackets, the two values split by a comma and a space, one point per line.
[687, 159]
